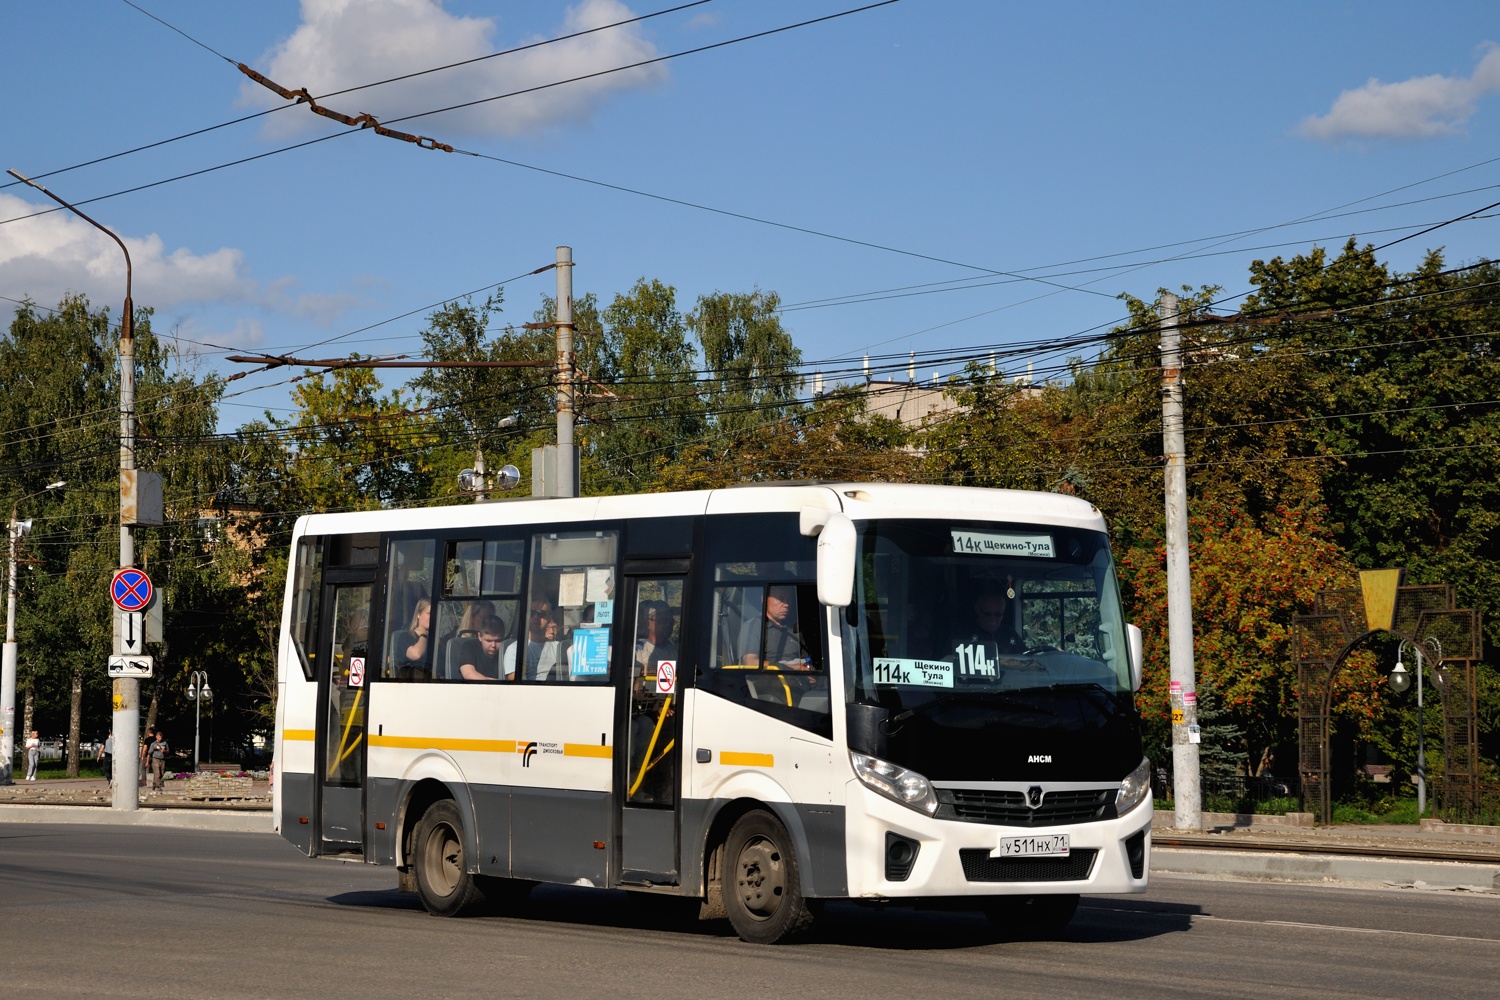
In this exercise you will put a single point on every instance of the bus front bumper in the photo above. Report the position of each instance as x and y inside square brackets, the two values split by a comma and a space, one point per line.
[897, 853]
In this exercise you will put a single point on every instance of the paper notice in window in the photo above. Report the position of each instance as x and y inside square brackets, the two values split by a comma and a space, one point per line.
[600, 585]
[570, 590]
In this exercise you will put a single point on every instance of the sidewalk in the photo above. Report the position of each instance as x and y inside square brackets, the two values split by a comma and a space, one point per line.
[1431, 855]
[88, 800]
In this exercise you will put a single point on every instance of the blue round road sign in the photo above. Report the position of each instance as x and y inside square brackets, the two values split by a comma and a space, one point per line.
[131, 590]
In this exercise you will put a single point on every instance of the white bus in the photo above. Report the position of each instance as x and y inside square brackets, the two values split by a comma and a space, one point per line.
[759, 698]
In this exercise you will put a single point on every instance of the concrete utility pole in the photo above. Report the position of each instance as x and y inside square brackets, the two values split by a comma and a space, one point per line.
[567, 484]
[1187, 793]
[127, 690]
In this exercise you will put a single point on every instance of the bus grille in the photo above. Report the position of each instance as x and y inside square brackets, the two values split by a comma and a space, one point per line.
[1008, 808]
[980, 867]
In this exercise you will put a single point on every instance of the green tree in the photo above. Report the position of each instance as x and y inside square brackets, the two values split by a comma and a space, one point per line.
[350, 447]
[643, 398]
[484, 412]
[59, 420]
[750, 360]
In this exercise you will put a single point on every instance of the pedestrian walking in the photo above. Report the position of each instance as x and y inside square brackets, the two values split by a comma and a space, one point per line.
[33, 754]
[158, 751]
[143, 765]
[106, 756]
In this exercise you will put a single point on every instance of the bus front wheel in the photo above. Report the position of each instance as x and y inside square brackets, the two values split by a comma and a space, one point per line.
[444, 882]
[761, 881]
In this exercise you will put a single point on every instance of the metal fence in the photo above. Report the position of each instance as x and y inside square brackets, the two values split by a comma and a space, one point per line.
[1235, 787]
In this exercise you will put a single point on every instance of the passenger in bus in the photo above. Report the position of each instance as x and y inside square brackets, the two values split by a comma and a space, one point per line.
[410, 646]
[541, 653]
[783, 646]
[479, 657]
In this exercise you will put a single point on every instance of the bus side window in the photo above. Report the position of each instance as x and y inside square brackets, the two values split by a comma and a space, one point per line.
[571, 608]
[768, 652]
[461, 568]
[409, 618]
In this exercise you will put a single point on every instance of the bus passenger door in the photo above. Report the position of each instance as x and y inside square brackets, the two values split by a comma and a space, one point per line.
[344, 637]
[651, 781]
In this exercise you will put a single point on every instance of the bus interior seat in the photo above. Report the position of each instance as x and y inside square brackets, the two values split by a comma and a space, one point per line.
[449, 669]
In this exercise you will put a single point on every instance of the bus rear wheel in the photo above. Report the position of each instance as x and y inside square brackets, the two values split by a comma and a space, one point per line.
[446, 886]
[1031, 916]
[762, 882]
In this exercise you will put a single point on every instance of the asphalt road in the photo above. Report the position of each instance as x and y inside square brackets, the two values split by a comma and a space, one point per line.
[157, 912]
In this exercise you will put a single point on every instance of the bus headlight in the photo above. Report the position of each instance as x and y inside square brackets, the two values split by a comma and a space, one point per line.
[1135, 787]
[896, 783]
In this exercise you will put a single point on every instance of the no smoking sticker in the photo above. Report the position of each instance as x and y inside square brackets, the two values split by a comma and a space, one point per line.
[666, 677]
[356, 671]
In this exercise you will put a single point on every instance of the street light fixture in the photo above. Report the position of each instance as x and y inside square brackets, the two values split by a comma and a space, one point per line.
[198, 692]
[18, 530]
[1400, 680]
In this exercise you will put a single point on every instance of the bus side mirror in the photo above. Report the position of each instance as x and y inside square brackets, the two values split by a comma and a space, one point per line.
[1137, 651]
[836, 538]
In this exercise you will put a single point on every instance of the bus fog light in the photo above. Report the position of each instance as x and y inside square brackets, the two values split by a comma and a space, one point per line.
[1135, 787]
[896, 783]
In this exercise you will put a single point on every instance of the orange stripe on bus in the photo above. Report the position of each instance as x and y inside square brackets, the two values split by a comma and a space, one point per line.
[587, 750]
[298, 734]
[747, 759]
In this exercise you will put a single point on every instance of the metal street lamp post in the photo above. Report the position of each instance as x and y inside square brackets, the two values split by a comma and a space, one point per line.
[18, 530]
[1400, 680]
[198, 692]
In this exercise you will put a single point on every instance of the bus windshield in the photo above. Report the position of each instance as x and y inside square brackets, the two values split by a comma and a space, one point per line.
[976, 644]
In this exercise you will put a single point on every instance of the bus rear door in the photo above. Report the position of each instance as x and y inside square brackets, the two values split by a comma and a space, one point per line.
[343, 699]
[649, 772]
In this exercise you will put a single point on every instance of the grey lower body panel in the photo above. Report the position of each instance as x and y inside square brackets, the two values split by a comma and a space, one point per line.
[553, 833]
[549, 834]
[817, 833]
[298, 798]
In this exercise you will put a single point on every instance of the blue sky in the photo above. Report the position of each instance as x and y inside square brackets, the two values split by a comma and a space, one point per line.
[923, 142]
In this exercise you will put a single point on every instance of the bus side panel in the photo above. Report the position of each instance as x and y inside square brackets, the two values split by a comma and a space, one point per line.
[754, 756]
[528, 764]
[560, 779]
[296, 757]
[553, 832]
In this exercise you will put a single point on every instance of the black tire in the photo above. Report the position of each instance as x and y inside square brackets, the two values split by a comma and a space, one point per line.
[444, 883]
[1031, 916]
[762, 882]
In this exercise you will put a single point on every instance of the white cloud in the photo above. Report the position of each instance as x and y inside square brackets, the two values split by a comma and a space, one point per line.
[51, 255]
[344, 43]
[1419, 108]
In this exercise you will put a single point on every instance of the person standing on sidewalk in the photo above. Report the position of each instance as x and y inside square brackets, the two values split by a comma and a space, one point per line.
[158, 751]
[33, 754]
[143, 766]
[106, 756]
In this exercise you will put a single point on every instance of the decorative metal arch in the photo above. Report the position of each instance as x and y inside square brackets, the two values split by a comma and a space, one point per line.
[1344, 619]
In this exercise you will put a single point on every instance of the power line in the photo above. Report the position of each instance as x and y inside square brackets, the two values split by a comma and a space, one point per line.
[346, 90]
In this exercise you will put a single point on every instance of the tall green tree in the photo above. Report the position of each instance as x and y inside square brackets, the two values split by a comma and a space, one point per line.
[750, 361]
[484, 412]
[59, 420]
[644, 403]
